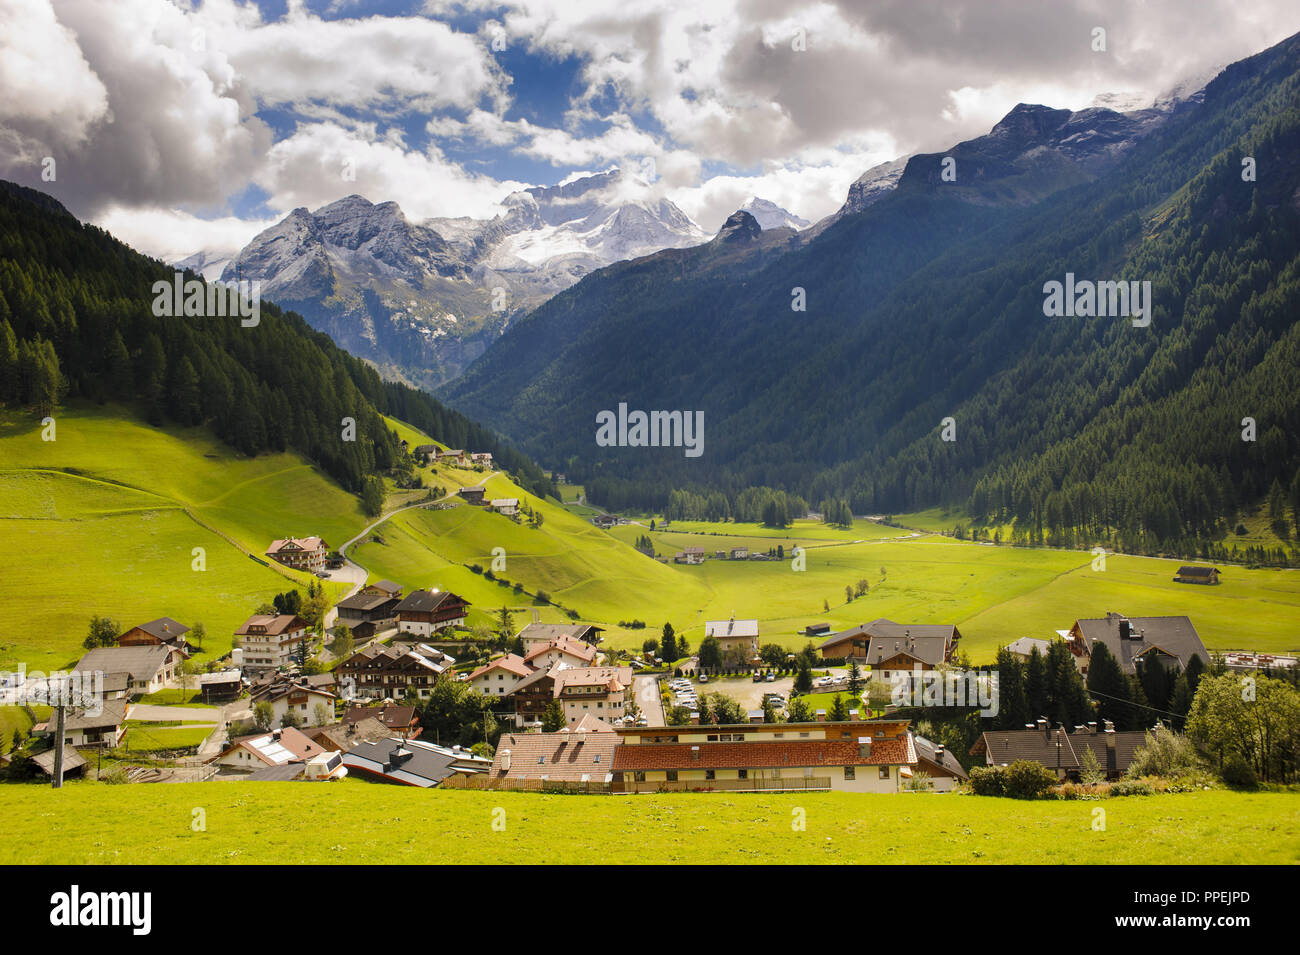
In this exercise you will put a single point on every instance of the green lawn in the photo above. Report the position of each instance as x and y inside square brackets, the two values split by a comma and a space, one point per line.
[246, 823]
[151, 737]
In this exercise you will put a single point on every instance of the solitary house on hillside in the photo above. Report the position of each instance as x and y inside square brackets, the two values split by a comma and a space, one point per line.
[300, 553]
[1197, 575]
[737, 639]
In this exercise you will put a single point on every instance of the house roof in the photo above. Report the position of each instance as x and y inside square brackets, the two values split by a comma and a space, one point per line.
[1003, 747]
[282, 746]
[1026, 645]
[546, 631]
[926, 752]
[1174, 635]
[612, 679]
[505, 502]
[592, 724]
[424, 601]
[764, 754]
[928, 643]
[392, 715]
[1190, 571]
[71, 760]
[270, 624]
[566, 756]
[406, 762]
[511, 663]
[142, 662]
[164, 628]
[725, 629]
[387, 586]
[575, 648]
[294, 543]
[364, 601]
[271, 691]
[343, 736]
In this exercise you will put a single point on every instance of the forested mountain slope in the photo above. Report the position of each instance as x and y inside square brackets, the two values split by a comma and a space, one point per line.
[77, 319]
[929, 304]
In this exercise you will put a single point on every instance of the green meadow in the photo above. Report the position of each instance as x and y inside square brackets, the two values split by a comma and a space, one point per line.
[105, 519]
[245, 823]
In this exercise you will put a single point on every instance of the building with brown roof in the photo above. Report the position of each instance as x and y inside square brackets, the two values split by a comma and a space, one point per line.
[536, 633]
[300, 553]
[424, 612]
[271, 641]
[499, 677]
[370, 605]
[280, 747]
[398, 719]
[149, 668]
[164, 630]
[939, 763]
[292, 695]
[891, 648]
[378, 672]
[558, 649]
[603, 692]
[583, 754]
[854, 756]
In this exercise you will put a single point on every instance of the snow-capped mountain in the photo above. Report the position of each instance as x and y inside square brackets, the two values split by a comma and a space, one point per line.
[771, 216]
[208, 264]
[423, 299]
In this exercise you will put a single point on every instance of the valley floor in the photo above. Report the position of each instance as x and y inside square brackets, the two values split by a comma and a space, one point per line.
[358, 822]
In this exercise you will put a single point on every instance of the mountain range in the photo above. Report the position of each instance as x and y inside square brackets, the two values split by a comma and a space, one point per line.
[826, 361]
[421, 300]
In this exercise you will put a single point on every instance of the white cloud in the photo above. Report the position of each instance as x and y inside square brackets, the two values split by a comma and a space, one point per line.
[173, 234]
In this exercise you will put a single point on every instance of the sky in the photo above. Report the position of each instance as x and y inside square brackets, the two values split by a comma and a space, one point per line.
[187, 126]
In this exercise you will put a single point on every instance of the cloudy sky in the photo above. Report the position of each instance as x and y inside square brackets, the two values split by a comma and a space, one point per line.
[183, 126]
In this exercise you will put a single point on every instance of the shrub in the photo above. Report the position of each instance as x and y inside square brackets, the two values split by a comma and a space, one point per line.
[1240, 774]
[1026, 779]
[1132, 787]
[988, 781]
[1072, 790]
[1164, 753]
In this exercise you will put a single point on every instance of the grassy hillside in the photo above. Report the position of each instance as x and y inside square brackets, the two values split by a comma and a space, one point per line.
[247, 824]
[105, 518]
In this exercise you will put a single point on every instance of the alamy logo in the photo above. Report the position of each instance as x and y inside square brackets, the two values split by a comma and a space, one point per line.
[74, 907]
[195, 299]
[1087, 299]
[656, 429]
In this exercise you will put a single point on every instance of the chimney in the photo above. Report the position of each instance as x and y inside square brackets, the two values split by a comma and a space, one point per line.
[854, 715]
[1042, 724]
[938, 753]
[864, 747]
[695, 753]
[1092, 726]
[505, 761]
[695, 717]
[821, 716]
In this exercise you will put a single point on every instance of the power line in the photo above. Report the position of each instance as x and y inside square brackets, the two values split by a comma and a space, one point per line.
[1143, 706]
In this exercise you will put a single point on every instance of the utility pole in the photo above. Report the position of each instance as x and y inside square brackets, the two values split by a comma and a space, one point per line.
[60, 712]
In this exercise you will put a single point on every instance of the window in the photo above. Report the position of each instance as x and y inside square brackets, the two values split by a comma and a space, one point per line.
[639, 775]
[672, 775]
[742, 774]
[850, 772]
[710, 774]
[884, 772]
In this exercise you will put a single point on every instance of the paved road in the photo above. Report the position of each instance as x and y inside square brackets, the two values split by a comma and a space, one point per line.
[646, 692]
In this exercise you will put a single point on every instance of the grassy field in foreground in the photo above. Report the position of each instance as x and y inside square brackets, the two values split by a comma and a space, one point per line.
[357, 822]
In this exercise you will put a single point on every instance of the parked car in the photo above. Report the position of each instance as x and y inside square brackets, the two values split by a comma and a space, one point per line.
[704, 678]
[758, 676]
[771, 677]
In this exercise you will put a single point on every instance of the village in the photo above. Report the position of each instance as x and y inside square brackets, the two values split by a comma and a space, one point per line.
[409, 699]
